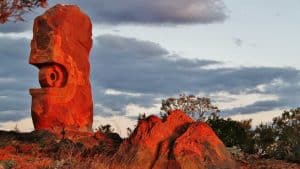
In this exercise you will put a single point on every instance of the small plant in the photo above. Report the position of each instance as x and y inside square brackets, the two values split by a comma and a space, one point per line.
[142, 116]
[129, 131]
[7, 164]
[106, 129]
[16, 129]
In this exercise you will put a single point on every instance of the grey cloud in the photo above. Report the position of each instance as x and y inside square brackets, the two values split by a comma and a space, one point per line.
[127, 64]
[154, 11]
[15, 27]
[135, 12]
[17, 77]
[13, 115]
[238, 42]
[257, 107]
[131, 65]
[167, 73]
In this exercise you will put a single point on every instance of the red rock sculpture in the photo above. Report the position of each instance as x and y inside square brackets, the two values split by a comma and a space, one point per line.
[62, 39]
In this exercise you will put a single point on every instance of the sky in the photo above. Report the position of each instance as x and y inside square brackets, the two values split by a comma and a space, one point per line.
[243, 55]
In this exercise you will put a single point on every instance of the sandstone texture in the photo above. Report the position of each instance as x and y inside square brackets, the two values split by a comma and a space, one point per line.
[174, 142]
[62, 39]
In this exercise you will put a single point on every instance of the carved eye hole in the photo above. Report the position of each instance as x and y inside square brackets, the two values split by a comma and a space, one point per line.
[52, 75]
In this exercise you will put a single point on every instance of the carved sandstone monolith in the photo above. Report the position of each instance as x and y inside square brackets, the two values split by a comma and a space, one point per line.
[62, 39]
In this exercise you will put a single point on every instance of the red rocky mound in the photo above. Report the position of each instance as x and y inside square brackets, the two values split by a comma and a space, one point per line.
[175, 142]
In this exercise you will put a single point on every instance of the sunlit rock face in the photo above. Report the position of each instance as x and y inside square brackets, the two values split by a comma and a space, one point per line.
[62, 39]
[176, 142]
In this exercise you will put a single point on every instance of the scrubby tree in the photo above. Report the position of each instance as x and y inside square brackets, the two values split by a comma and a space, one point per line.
[233, 133]
[288, 130]
[281, 139]
[13, 10]
[265, 137]
[199, 108]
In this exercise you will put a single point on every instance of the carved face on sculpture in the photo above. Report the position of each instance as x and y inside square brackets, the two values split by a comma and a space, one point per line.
[60, 50]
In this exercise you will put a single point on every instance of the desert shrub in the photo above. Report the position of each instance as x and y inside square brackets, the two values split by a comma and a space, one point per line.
[264, 137]
[281, 138]
[109, 132]
[7, 164]
[105, 129]
[64, 149]
[286, 144]
[288, 128]
[233, 133]
[198, 108]
[142, 116]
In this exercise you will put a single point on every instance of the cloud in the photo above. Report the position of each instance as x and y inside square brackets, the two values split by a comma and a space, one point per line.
[130, 75]
[259, 117]
[118, 123]
[134, 66]
[135, 12]
[118, 93]
[154, 11]
[228, 101]
[15, 27]
[23, 125]
[238, 42]
[16, 77]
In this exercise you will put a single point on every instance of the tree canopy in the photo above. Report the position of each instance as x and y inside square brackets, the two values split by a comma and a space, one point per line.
[195, 107]
[14, 10]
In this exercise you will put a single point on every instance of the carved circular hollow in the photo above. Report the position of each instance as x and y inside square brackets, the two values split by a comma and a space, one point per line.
[52, 76]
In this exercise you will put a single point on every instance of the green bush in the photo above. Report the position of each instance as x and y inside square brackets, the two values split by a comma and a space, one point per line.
[281, 139]
[233, 133]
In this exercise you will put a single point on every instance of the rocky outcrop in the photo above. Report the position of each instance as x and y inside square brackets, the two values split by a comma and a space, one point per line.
[199, 147]
[174, 142]
[62, 39]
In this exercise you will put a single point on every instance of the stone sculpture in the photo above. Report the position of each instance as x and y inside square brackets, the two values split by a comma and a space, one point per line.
[62, 39]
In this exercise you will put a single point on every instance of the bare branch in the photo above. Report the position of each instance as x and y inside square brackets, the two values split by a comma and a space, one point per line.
[13, 10]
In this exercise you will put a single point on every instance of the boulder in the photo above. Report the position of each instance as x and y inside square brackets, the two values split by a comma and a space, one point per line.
[200, 147]
[176, 142]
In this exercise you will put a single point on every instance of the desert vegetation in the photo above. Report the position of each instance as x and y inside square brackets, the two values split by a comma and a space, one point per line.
[279, 139]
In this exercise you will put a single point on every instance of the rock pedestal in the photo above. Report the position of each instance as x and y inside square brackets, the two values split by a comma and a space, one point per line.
[62, 39]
